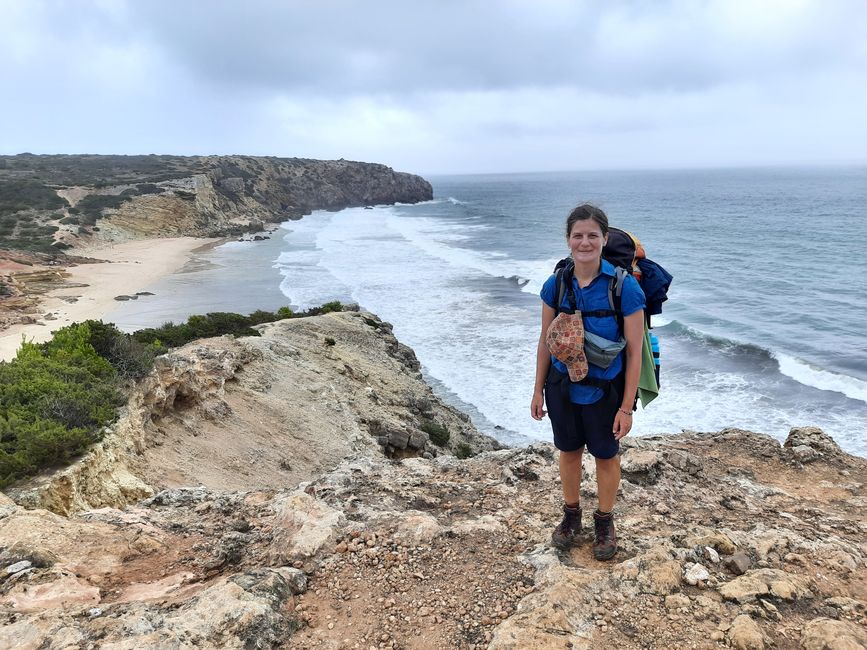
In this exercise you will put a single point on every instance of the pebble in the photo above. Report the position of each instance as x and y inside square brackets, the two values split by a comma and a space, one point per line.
[18, 566]
[695, 573]
[711, 554]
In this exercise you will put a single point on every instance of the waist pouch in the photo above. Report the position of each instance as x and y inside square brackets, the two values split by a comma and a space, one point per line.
[600, 351]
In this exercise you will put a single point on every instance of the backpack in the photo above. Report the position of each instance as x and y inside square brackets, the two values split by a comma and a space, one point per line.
[626, 254]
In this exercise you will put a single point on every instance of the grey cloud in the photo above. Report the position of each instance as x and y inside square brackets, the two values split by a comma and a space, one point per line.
[338, 46]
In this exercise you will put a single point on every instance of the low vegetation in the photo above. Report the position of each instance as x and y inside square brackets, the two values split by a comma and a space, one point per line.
[19, 195]
[463, 451]
[25, 207]
[98, 170]
[57, 397]
[220, 323]
[438, 433]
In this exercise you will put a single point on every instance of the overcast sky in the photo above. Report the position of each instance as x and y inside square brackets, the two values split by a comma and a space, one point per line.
[444, 86]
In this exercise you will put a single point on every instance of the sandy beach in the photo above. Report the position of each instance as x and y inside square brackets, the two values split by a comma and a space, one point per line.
[129, 267]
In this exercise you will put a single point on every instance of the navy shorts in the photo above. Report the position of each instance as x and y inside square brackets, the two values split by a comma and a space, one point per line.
[577, 425]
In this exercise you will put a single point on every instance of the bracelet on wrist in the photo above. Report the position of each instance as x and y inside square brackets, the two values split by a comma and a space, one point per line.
[625, 412]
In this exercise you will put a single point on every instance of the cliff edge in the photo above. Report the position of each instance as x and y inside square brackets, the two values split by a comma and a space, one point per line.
[728, 539]
[50, 203]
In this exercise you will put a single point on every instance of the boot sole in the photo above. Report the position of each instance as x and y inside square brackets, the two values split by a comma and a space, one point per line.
[602, 557]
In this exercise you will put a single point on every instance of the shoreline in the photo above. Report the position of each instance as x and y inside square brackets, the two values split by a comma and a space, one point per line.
[125, 269]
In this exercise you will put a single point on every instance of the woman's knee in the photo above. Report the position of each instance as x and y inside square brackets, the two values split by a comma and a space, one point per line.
[608, 464]
[571, 457]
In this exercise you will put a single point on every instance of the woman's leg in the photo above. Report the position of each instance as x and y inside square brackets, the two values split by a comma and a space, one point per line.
[567, 531]
[570, 475]
[607, 479]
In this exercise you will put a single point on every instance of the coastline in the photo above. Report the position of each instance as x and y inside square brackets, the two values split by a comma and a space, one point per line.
[126, 268]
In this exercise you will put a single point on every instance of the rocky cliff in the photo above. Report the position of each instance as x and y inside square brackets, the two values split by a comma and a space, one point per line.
[202, 536]
[70, 200]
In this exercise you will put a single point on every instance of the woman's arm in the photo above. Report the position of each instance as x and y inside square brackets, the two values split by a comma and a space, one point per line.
[633, 331]
[543, 363]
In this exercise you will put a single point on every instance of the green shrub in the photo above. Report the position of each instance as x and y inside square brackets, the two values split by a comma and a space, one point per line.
[438, 433]
[55, 399]
[17, 195]
[92, 205]
[330, 341]
[220, 323]
[129, 357]
[463, 451]
[258, 317]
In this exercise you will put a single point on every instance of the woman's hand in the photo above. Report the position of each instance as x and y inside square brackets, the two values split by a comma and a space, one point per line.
[622, 424]
[537, 409]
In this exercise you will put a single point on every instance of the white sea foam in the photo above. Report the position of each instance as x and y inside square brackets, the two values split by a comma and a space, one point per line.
[809, 375]
[455, 201]
[414, 272]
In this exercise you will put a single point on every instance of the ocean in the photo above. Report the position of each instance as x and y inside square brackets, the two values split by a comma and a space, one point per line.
[765, 328]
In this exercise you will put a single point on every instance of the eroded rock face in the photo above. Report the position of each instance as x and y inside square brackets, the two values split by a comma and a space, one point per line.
[261, 412]
[237, 194]
[725, 538]
[454, 553]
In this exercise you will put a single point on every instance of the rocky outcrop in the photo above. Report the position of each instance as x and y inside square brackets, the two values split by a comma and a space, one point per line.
[242, 193]
[120, 197]
[262, 412]
[286, 491]
[444, 553]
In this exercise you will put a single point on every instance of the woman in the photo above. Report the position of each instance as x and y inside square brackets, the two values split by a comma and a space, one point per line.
[596, 412]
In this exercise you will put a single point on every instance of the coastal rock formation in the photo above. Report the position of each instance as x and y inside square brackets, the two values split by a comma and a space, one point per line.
[263, 412]
[243, 193]
[52, 204]
[82, 198]
[727, 539]
[444, 553]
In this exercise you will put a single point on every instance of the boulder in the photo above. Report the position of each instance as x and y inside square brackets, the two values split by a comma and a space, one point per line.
[303, 525]
[828, 634]
[640, 466]
[812, 437]
[745, 634]
[765, 582]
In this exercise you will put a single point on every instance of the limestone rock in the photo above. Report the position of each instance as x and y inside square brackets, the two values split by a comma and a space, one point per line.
[828, 634]
[812, 437]
[254, 413]
[641, 466]
[416, 528]
[303, 526]
[684, 461]
[695, 573]
[739, 563]
[745, 634]
[762, 582]
[701, 536]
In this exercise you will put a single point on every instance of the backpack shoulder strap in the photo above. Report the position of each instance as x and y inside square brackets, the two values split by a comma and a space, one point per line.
[561, 289]
[615, 294]
[563, 285]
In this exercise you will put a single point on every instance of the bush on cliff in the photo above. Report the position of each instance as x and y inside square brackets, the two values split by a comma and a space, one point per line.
[129, 357]
[438, 433]
[220, 323]
[55, 398]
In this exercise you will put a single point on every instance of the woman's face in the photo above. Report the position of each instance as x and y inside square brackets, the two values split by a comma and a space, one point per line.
[586, 241]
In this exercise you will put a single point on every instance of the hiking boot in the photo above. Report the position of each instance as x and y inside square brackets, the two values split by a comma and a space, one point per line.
[564, 535]
[605, 542]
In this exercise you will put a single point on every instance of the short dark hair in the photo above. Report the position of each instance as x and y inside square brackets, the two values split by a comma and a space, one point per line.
[587, 211]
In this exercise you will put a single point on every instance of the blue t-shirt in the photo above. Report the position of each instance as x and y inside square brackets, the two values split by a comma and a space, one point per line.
[591, 298]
